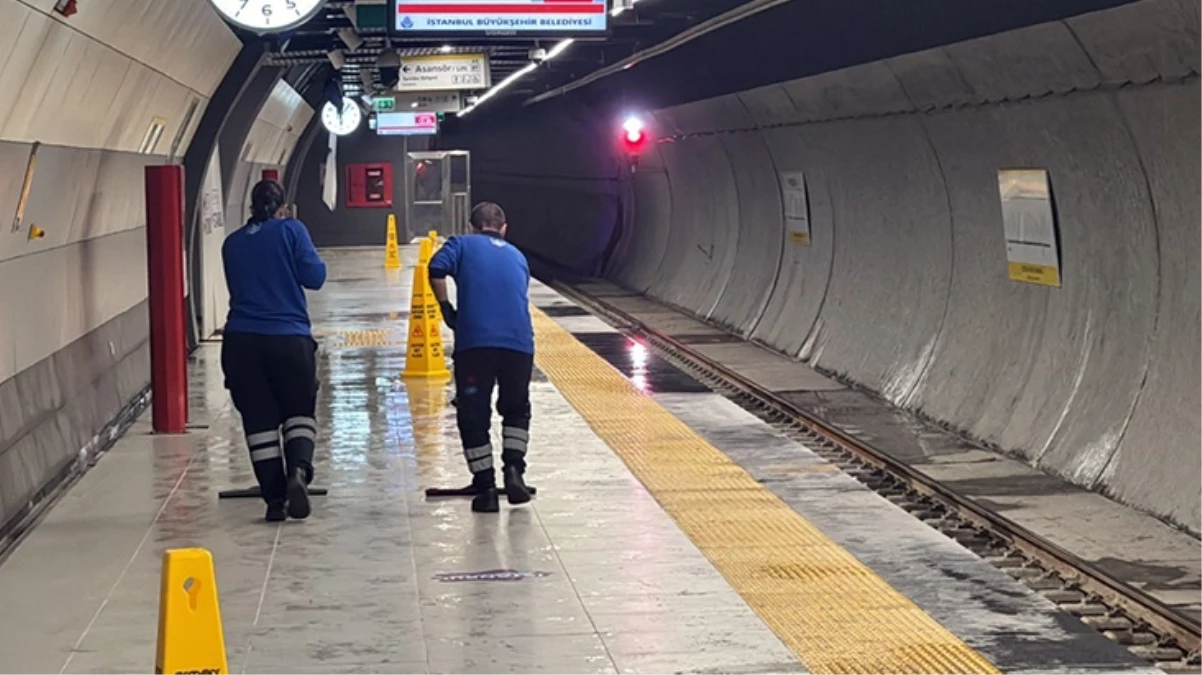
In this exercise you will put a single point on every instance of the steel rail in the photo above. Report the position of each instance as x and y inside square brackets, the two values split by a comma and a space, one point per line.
[1175, 632]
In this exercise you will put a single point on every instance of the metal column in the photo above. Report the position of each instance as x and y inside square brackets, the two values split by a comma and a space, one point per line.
[165, 286]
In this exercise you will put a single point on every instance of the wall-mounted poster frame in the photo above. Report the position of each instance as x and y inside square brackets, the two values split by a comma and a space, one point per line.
[1029, 220]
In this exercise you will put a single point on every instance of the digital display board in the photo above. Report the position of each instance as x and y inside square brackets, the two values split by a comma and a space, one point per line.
[501, 18]
[406, 124]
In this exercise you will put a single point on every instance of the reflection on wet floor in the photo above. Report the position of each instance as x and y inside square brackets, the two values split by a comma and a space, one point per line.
[649, 373]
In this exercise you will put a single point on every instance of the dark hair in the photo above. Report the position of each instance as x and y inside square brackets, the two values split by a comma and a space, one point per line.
[265, 199]
[487, 216]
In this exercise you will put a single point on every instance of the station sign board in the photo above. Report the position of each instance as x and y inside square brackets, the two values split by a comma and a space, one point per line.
[429, 101]
[501, 18]
[444, 72]
[797, 206]
[1029, 221]
[407, 124]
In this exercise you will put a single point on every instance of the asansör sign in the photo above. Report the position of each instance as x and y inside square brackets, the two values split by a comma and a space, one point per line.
[563, 18]
[444, 72]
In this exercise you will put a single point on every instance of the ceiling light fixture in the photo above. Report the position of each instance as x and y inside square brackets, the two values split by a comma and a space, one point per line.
[498, 87]
[551, 53]
[559, 48]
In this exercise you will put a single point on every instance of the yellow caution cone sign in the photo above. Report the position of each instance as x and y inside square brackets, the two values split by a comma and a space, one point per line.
[425, 251]
[190, 635]
[433, 235]
[392, 252]
[424, 357]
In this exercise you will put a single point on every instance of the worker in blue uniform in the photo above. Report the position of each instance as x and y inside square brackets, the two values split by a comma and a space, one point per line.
[494, 347]
[268, 354]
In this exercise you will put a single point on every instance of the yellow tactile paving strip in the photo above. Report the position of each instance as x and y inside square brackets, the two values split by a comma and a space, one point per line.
[353, 339]
[834, 612]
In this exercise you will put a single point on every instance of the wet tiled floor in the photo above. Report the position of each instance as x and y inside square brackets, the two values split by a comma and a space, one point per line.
[592, 577]
[379, 579]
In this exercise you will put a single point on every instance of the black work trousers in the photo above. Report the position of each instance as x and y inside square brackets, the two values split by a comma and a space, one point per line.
[273, 382]
[477, 372]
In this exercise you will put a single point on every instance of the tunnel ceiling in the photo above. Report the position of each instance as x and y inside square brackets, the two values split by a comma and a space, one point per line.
[792, 40]
[648, 23]
[788, 39]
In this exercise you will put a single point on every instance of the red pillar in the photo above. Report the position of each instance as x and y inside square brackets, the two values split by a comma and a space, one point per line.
[165, 264]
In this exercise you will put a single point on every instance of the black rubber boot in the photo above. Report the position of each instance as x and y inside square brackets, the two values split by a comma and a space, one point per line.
[298, 495]
[487, 501]
[515, 485]
[276, 512]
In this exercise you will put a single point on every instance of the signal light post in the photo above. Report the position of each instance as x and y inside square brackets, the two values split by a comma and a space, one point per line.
[634, 139]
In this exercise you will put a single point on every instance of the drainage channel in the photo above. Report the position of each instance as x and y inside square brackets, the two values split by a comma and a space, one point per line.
[1125, 615]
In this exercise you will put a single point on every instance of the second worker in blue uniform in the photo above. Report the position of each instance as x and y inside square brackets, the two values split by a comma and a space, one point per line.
[494, 347]
[268, 353]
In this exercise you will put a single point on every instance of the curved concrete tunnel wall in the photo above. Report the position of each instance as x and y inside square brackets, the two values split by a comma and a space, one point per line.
[73, 326]
[904, 289]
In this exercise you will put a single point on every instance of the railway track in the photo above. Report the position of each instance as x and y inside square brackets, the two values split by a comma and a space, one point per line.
[1128, 616]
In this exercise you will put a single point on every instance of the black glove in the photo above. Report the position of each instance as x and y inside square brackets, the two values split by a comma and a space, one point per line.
[448, 313]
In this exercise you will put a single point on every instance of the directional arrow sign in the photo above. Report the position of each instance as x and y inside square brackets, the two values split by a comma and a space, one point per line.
[444, 72]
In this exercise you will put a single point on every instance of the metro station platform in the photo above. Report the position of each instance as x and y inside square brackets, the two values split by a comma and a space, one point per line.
[672, 532]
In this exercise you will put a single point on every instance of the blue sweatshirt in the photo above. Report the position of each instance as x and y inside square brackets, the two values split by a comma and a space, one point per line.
[492, 281]
[267, 264]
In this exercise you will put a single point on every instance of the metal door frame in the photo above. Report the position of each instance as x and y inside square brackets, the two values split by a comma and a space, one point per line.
[447, 202]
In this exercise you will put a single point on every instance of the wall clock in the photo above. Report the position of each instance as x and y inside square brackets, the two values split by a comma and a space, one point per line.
[267, 16]
[342, 122]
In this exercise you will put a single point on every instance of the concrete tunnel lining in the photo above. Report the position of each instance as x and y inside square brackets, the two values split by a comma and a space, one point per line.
[901, 159]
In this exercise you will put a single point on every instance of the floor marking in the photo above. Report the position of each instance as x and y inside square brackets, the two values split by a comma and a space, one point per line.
[830, 609]
[113, 589]
[275, 546]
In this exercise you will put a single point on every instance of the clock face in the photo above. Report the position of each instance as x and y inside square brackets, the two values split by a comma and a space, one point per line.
[341, 123]
[267, 16]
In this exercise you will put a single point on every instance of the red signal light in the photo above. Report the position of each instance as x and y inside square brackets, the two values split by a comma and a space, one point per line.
[633, 140]
[633, 135]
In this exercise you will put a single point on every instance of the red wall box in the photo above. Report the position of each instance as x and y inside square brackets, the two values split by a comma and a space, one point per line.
[369, 186]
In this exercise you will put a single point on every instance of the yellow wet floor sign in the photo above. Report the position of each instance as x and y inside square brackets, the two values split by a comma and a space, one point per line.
[425, 251]
[424, 357]
[190, 635]
[392, 252]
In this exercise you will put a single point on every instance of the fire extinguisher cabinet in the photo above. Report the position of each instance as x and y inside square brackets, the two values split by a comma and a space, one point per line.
[369, 186]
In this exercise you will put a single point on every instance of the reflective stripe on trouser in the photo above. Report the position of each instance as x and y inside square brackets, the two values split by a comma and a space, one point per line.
[514, 441]
[300, 437]
[479, 458]
[268, 463]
